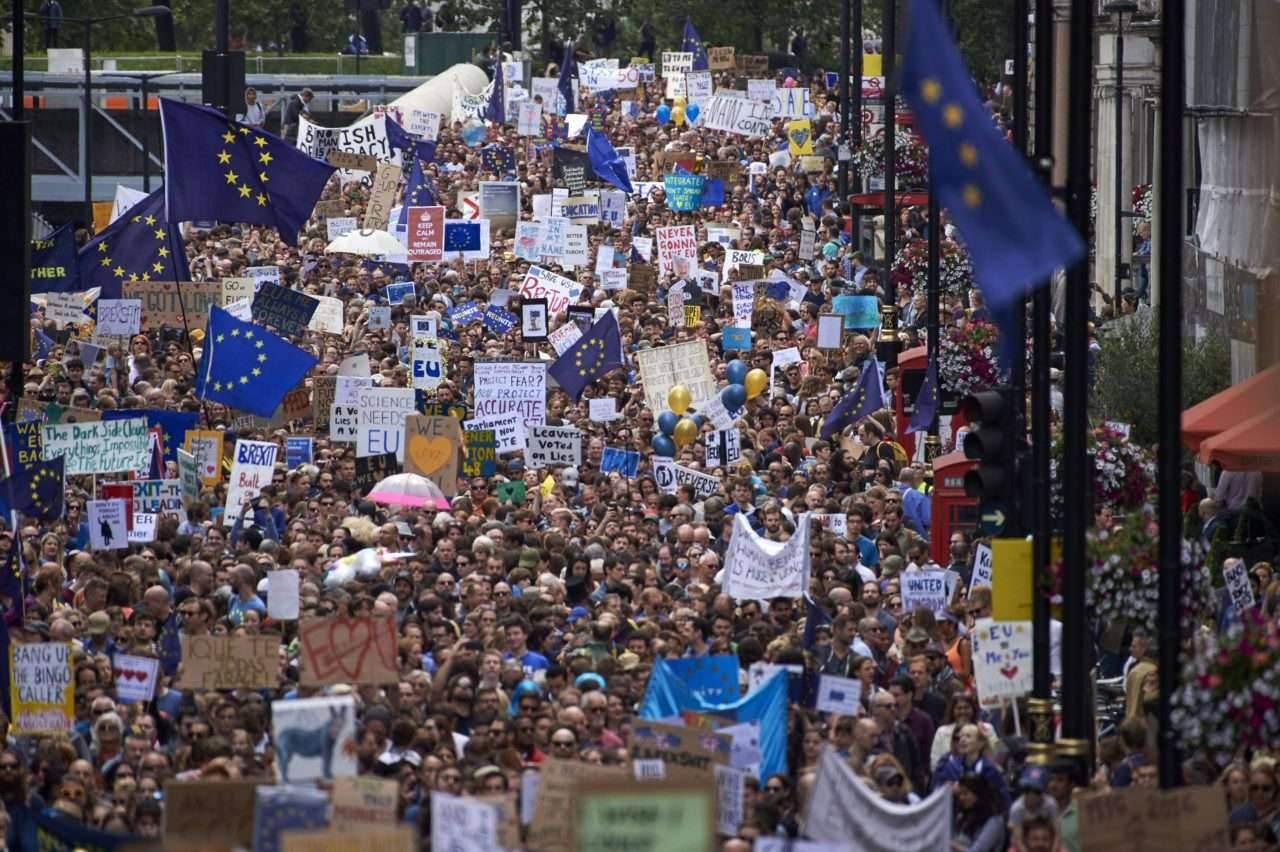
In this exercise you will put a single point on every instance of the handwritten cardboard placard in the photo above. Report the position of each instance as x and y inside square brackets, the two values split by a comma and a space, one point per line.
[208, 815]
[41, 688]
[354, 650]
[163, 302]
[431, 449]
[229, 662]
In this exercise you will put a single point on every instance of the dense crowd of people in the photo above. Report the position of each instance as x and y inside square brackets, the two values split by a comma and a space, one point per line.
[527, 626]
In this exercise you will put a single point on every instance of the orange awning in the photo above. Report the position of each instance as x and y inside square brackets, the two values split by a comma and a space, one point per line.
[1224, 411]
[1253, 444]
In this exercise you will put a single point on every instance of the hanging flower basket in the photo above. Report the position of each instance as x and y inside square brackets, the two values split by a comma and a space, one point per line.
[911, 266]
[967, 358]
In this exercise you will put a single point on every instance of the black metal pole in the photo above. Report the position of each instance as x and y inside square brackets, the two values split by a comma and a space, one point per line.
[842, 176]
[1042, 684]
[1076, 481]
[890, 135]
[1119, 158]
[87, 106]
[1172, 81]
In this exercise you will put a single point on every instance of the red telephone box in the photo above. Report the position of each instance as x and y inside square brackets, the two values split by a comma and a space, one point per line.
[952, 508]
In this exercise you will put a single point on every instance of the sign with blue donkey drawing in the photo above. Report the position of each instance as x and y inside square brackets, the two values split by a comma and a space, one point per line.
[315, 738]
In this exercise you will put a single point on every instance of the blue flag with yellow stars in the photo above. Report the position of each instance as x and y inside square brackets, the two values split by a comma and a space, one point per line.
[53, 262]
[220, 169]
[247, 367]
[142, 245]
[596, 353]
[1015, 236]
[35, 490]
[867, 397]
[692, 43]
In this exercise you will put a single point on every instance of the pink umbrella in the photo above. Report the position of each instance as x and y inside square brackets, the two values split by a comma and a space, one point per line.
[408, 489]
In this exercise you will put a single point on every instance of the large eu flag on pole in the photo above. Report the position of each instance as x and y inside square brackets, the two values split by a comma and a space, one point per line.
[1015, 236]
[220, 169]
[247, 367]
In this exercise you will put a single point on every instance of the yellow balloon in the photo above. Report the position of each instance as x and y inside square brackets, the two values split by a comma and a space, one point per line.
[686, 432]
[678, 399]
[757, 381]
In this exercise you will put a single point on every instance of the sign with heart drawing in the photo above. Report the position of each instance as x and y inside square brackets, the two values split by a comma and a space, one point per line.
[1001, 660]
[135, 677]
[431, 449]
[353, 650]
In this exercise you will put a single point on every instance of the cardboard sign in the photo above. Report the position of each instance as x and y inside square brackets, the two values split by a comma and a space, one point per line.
[431, 449]
[42, 688]
[362, 802]
[104, 446]
[230, 662]
[206, 815]
[1138, 819]
[354, 650]
[163, 302]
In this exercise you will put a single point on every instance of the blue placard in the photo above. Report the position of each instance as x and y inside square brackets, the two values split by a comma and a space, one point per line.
[734, 338]
[625, 462]
[499, 320]
[397, 292]
[860, 312]
[297, 451]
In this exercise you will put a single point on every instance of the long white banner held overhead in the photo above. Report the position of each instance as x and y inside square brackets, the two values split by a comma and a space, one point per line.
[843, 809]
[734, 114]
[366, 136]
[757, 569]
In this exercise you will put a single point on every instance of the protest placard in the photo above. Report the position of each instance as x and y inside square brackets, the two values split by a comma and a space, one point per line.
[287, 310]
[733, 113]
[686, 364]
[759, 569]
[645, 816]
[134, 677]
[927, 588]
[511, 387]
[553, 446]
[1001, 659]
[103, 446]
[425, 235]
[229, 662]
[121, 317]
[206, 446]
[343, 649]
[200, 816]
[462, 824]
[431, 449]
[41, 687]
[380, 426]
[251, 468]
[163, 302]
[108, 527]
[363, 802]
[558, 781]
[1144, 819]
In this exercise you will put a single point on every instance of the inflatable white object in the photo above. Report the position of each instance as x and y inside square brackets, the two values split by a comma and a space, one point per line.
[436, 95]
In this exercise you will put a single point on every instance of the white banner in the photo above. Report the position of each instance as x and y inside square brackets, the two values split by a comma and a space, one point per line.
[1001, 659]
[843, 809]
[366, 136]
[553, 446]
[758, 569]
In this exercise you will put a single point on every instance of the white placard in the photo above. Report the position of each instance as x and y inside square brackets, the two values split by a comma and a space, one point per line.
[381, 421]
[282, 594]
[251, 468]
[108, 528]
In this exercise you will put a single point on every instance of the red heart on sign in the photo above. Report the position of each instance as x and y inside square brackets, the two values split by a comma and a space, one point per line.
[1009, 672]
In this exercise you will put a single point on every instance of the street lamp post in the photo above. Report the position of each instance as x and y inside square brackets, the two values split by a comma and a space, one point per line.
[1119, 8]
[86, 106]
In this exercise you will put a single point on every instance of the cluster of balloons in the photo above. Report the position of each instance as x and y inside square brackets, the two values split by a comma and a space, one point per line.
[680, 112]
[676, 430]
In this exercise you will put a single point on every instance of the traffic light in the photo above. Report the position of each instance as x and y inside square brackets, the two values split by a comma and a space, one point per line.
[993, 441]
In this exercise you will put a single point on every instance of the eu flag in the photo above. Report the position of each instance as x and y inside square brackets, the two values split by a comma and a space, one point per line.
[247, 367]
[220, 169]
[568, 70]
[496, 110]
[142, 245]
[461, 236]
[596, 353]
[53, 263]
[692, 43]
[1014, 234]
[926, 401]
[606, 162]
[867, 397]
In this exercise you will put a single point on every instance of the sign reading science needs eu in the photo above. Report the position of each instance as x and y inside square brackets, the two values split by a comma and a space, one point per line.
[101, 446]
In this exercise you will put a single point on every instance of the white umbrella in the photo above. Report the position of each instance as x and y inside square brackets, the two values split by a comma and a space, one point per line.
[366, 243]
[408, 489]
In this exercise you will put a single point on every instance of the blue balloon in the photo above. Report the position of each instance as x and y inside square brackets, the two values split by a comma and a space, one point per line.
[734, 396]
[663, 114]
[663, 446]
[736, 371]
[667, 421]
[691, 113]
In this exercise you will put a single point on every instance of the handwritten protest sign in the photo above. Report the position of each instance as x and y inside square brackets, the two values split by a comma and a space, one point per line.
[511, 387]
[356, 650]
[361, 802]
[553, 446]
[104, 446]
[203, 815]
[927, 589]
[41, 687]
[1001, 659]
[686, 364]
[229, 662]
[288, 310]
[431, 449]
